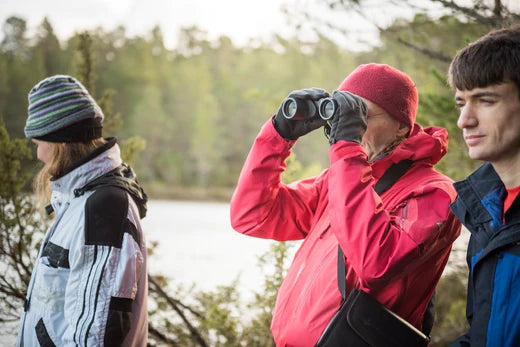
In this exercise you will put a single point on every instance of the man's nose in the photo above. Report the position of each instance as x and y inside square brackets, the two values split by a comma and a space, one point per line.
[467, 117]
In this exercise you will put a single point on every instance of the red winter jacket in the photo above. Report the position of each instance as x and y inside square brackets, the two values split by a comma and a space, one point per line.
[396, 245]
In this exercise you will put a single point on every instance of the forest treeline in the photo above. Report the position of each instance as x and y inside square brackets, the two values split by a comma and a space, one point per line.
[199, 106]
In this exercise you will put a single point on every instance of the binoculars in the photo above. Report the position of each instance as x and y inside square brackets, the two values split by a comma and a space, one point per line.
[297, 109]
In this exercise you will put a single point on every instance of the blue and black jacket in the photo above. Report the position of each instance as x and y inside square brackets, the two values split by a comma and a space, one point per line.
[493, 307]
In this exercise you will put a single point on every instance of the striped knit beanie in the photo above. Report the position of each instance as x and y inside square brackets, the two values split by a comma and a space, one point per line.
[62, 110]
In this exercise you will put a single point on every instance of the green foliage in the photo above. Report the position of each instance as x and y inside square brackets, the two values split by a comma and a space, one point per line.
[438, 110]
[84, 66]
[48, 50]
[20, 228]
[450, 305]
[19, 73]
[220, 321]
[84, 62]
[295, 170]
[113, 121]
[197, 107]
[131, 147]
[275, 265]
[14, 43]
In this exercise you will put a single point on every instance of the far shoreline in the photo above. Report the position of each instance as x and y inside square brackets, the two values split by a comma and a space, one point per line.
[163, 191]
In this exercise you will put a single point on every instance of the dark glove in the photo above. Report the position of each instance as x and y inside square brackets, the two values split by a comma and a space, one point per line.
[291, 129]
[350, 121]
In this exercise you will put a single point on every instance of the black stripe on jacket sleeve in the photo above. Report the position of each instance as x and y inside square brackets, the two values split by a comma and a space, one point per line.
[57, 255]
[42, 335]
[106, 218]
[119, 321]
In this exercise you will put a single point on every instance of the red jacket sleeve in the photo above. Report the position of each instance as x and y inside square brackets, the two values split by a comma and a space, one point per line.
[382, 245]
[264, 207]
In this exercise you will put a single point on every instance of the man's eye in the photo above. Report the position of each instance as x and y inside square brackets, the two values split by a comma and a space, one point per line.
[487, 101]
[459, 105]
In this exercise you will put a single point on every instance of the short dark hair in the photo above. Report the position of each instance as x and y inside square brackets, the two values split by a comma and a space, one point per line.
[492, 59]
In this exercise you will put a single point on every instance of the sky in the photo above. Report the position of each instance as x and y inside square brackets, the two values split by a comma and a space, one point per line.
[241, 20]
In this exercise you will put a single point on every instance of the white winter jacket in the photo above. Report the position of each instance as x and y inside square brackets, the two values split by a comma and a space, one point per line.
[89, 282]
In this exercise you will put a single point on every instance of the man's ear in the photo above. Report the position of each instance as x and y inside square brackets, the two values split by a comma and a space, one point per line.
[403, 130]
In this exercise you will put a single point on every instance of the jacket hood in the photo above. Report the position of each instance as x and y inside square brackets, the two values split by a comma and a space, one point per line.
[122, 177]
[424, 144]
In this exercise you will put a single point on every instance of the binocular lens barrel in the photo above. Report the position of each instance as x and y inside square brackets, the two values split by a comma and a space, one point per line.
[289, 108]
[293, 108]
[328, 107]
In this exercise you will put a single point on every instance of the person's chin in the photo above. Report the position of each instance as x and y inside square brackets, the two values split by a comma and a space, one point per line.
[476, 154]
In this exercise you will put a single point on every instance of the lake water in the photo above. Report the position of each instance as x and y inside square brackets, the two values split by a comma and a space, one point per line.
[196, 245]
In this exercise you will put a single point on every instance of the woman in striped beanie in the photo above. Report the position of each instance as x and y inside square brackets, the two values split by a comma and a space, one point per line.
[63, 118]
[89, 282]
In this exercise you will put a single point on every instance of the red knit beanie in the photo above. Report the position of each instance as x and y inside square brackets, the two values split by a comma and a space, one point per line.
[387, 87]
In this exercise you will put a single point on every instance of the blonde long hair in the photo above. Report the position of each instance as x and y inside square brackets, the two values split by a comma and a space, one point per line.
[64, 155]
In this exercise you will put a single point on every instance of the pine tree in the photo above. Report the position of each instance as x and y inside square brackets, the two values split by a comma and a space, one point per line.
[21, 227]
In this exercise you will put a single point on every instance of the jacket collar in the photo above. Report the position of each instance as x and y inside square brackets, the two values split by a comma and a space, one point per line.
[426, 145]
[472, 190]
[476, 189]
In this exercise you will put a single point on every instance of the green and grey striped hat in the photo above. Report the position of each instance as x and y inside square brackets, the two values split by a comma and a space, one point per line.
[62, 110]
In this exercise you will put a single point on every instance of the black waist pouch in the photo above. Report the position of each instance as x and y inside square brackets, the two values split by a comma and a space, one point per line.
[362, 321]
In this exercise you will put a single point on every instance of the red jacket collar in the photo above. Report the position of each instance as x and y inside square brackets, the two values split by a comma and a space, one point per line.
[427, 145]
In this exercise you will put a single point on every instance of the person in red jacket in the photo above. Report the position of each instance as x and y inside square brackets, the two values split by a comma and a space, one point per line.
[395, 245]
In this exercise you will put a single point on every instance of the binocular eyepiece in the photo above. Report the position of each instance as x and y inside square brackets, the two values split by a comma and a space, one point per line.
[297, 109]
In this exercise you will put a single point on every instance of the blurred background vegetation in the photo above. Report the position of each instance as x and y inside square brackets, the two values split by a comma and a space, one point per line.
[198, 107]
[186, 118]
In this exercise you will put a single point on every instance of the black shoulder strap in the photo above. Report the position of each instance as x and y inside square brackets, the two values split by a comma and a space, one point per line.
[386, 181]
[122, 177]
[391, 175]
[341, 274]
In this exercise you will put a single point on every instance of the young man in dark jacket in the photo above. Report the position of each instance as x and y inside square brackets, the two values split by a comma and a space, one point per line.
[396, 244]
[486, 77]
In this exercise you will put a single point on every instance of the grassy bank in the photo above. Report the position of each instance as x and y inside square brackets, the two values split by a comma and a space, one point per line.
[170, 192]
